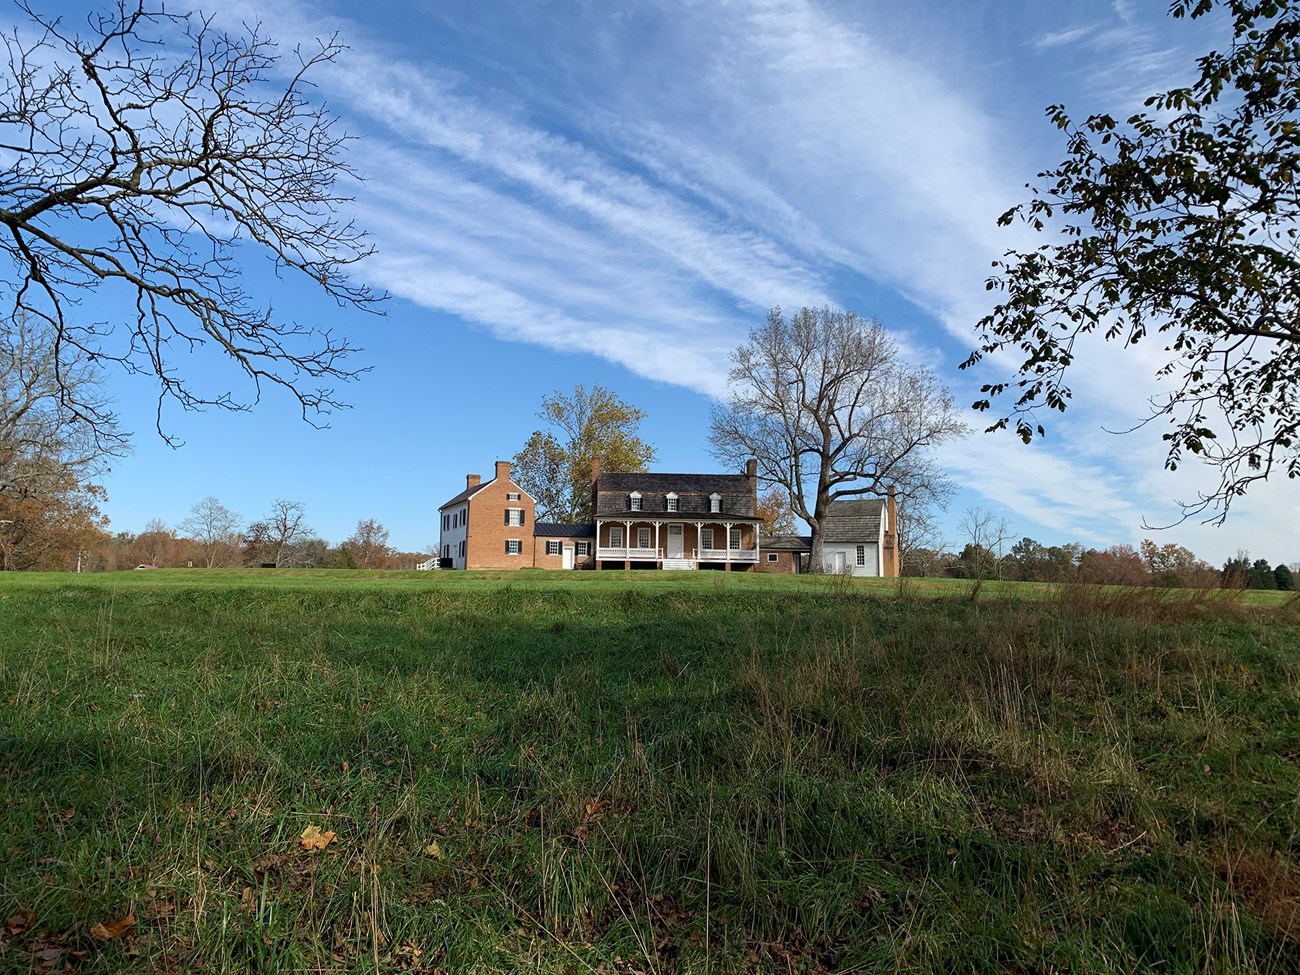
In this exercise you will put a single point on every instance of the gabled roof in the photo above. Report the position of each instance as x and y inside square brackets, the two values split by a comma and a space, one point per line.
[466, 494]
[856, 522]
[555, 529]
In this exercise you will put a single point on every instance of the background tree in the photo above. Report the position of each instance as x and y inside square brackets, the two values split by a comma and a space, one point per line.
[1180, 223]
[1175, 566]
[275, 539]
[216, 529]
[774, 509]
[986, 536]
[368, 545]
[1261, 575]
[1118, 565]
[555, 464]
[49, 453]
[1283, 579]
[825, 402]
[148, 155]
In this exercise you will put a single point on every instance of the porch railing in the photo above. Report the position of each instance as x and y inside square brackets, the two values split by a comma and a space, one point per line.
[720, 555]
[630, 554]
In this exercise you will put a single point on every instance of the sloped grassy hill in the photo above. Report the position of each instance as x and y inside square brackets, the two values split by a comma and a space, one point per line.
[663, 773]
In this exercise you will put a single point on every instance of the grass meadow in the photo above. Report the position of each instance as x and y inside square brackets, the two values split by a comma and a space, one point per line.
[657, 772]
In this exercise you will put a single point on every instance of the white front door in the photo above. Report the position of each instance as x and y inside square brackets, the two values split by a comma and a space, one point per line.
[839, 564]
[674, 541]
[567, 557]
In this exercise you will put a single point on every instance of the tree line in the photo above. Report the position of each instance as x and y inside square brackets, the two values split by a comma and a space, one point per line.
[214, 536]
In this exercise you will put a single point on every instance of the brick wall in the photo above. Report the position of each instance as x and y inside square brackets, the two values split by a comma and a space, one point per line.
[544, 561]
[486, 546]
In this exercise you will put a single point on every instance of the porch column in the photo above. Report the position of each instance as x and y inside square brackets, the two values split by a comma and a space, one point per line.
[698, 526]
[627, 544]
[726, 534]
[657, 524]
[597, 552]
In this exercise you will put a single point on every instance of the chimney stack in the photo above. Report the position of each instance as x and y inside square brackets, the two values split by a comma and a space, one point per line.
[503, 470]
[595, 469]
[471, 481]
[751, 468]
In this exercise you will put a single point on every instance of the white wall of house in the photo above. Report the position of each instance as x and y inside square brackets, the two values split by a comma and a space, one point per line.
[840, 556]
[451, 541]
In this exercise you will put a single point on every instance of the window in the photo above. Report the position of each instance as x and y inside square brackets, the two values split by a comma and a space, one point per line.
[643, 538]
[514, 546]
[446, 551]
[615, 536]
[445, 526]
[512, 495]
[582, 549]
[772, 556]
[715, 503]
[862, 555]
[514, 517]
[733, 538]
[671, 504]
[634, 501]
[706, 538]
[462, 550]
[552, 548]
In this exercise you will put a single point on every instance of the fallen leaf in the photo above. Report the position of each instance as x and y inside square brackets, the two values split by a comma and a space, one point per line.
[434, 850]
[113, 929]
[20, 922]
[313, 839]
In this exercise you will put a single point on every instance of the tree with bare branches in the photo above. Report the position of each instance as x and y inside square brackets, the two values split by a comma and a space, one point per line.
[826, 403]
[216, 528]
[147, 157]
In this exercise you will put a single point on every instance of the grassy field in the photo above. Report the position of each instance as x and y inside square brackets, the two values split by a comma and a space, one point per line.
[663, 772]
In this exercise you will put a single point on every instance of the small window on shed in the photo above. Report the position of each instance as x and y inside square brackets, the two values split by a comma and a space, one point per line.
[552, 548]
[862, 555]
[772, 556]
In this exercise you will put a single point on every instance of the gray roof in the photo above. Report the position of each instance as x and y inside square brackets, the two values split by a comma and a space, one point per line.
[466, 494]
[693, 492]
[786, 543]
[856, 522]
[554, 529]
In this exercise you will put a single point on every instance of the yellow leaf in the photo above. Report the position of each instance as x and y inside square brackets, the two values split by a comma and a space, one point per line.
[313, 839]
[434, 850]
[113, 929]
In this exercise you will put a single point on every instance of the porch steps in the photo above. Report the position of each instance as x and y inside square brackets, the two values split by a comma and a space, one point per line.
[678, 564]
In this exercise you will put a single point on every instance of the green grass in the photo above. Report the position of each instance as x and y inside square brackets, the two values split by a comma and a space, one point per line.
[659, 772]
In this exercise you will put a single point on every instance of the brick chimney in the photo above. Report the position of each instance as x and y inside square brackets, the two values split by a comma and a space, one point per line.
[751, 468]
[471, 481]
[595, 469]
[503, 470]
[891, 554]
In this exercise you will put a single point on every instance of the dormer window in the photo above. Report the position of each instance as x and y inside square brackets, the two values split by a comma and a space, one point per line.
[634, 501]
[715, 503]
[671, 502]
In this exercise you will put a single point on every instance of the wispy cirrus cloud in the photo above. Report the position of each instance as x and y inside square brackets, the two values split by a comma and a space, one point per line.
[758, 152]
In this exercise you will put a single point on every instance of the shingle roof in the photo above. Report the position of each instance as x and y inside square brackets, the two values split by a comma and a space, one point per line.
[786, 543]
[692, 490]
[554, 529]
[857, 522]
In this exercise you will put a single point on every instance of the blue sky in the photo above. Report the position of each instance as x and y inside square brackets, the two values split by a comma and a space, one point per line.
[614, 193]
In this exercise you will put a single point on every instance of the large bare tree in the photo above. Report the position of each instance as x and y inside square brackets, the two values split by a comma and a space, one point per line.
[825, 402]
[216, 528]
[147, 157]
